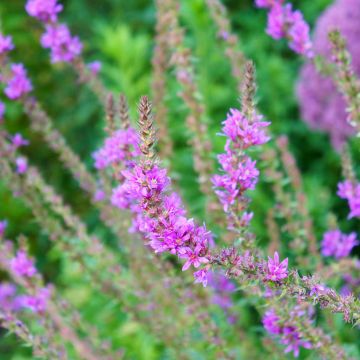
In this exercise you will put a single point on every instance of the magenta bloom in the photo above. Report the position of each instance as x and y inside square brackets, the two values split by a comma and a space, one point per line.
[121, 147]
[21, 165]
[3, 225]
[284, 22]
[18, 141]
[276, 270]
[271, 322]
[193, 257]
[351, 192]
[18, 84]
[338, 244]
[64, 47]
[6, 44]
[43, 10]
[21, 265]
[37, 303]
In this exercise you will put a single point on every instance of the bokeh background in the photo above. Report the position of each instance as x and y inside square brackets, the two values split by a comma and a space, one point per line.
[120, 34]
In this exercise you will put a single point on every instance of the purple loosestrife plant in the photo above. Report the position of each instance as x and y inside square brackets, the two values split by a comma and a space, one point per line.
[6, 44]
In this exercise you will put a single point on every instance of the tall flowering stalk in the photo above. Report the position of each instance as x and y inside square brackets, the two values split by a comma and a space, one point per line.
[347, 81]
[243, 130]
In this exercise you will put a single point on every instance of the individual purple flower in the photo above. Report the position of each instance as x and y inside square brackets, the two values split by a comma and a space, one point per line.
[121, 147]
[94, 67]
[3, 226]
[17, 141]
[192, 256]
[271, 322]
[291, 338]
[337, 244]
[7, 296]
[6, 44]
[63, 46]
[201, 277]
[38, 302]
[21, 265]
[43, 10]
[18, 84]
[21, 165]
[276, 270]
[2, 111]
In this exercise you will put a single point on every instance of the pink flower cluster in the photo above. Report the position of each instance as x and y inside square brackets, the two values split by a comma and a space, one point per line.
[22, 266]
[284, 22]
[6, 44]
[160, 217]
[18, 84]
[121, 147]
[351, 192]
[8, 299]
[63, 46]
[290, 336]
[38, 302]
[43, 10]
[21, 165]
[239, 171]
[337, 244]
[57, 37]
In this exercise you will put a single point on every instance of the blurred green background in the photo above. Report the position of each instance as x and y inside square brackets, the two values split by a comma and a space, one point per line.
[120, 34]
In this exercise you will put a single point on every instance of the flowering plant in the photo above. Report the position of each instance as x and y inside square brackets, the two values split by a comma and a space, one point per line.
[184, 280]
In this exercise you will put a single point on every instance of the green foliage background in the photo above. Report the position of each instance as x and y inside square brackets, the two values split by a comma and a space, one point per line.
[120, 34]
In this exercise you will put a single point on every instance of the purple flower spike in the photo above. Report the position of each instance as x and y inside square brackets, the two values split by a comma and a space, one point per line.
[276, 270]
[21, 165]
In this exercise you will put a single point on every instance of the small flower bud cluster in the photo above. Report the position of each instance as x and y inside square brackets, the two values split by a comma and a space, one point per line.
[284, 22]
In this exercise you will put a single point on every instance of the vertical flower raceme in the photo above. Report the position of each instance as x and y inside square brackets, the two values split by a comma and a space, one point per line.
[18, 84]
[239, 171]
[284, 22]
[338, 244]
[351, 192]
